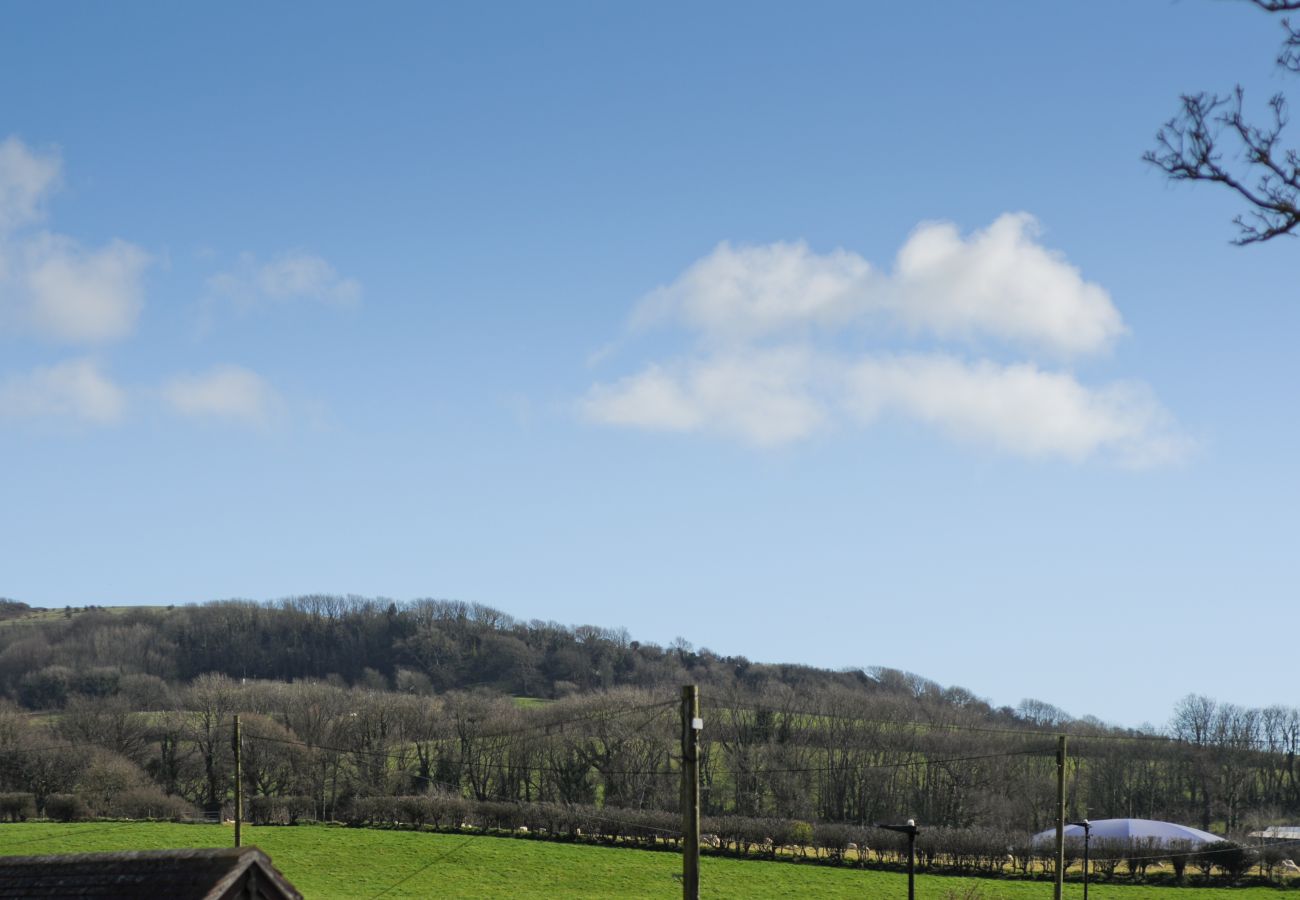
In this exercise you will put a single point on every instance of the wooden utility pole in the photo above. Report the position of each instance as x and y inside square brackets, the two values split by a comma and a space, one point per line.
[239, 784]
[691, 725]
[1060, 817]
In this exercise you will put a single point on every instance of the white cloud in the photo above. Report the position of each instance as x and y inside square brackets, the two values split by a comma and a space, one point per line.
[747, 292]
[1018, 408]
[763, 398]
[780, 396]
[25, 180]
[75, 389]
[998, 283]
[226, 393]
[289, 277]
[767, 364]
[50, 285]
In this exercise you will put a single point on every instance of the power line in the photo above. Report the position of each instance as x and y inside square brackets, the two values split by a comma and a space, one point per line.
[773, 770]
[599, 715]
[540, 730]
[1263, 744]
[497, 798]
[98, 826]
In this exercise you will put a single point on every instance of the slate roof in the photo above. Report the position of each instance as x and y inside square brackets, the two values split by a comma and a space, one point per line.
[229, 873]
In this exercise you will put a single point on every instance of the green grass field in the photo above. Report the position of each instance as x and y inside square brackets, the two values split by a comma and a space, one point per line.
[50, 615]
[335, 862]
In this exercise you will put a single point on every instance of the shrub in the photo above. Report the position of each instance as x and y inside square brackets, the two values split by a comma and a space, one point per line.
[106, 777]
[1141, 854]
[1231, 859]
[502, 814]
[370, 811]
[1271, 856]
[151, 803]
[262, 811]
[801, 835]
[1180, 852]
[447, 809]
[45, 688]
[647, 825]
[17, 807]
[1020, 847]
[834, 839]
[280, 810]
[65, 808]
[1107, 854]
[146, 691]
[100, 681]
[889, 845]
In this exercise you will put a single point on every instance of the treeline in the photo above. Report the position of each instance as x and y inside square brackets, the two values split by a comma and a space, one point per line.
[828, 756]
[419, 647]
[350, 698]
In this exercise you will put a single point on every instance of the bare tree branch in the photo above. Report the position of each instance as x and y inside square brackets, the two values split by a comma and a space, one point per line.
[1289, 56]
[1188, 149]
[1266, 176]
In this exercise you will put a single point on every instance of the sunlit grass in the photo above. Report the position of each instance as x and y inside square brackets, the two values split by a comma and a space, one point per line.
[337, 862]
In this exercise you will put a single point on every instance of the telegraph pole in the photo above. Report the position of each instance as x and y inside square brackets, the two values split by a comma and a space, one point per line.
[691, 725]
[1060, 817]
[239, 784]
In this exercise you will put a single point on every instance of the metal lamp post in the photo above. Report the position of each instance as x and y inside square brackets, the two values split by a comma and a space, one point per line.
[911, 831]
[1087, 832]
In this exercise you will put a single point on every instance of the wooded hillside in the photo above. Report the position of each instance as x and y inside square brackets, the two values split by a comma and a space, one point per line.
[347, 701]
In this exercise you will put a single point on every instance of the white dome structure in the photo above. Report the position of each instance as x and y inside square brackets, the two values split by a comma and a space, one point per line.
[1125, 829]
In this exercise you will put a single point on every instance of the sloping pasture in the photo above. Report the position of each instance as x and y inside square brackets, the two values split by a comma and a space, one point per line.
[353, 863]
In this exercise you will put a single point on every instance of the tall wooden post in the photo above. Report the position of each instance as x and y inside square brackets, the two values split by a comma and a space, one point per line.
[691, 725]
[1060, 817]
[239, 784]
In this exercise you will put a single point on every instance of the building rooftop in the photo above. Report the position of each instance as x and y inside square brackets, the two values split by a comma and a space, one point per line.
[243, 873]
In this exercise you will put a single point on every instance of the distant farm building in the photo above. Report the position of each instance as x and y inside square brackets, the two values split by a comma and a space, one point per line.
[1278, 833]
[243, 873]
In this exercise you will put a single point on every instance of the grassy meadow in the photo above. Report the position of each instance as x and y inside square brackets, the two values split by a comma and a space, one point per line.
[353, 863]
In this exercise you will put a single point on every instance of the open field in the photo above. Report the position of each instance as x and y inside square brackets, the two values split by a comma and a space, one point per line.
[335, 862]
[36, 616]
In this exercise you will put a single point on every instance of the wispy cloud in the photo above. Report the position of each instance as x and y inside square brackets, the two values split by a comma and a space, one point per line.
[51, 286]
[75, 390]
[767, 363]
[55, 289]
[81, 296]
[228, 393]
[26, 179]
[290, 277]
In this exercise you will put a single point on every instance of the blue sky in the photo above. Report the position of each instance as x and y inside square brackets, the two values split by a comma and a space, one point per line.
[846, 334]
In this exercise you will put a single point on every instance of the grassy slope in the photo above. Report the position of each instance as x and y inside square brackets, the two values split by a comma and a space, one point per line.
[327, 862]
[51, 615]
